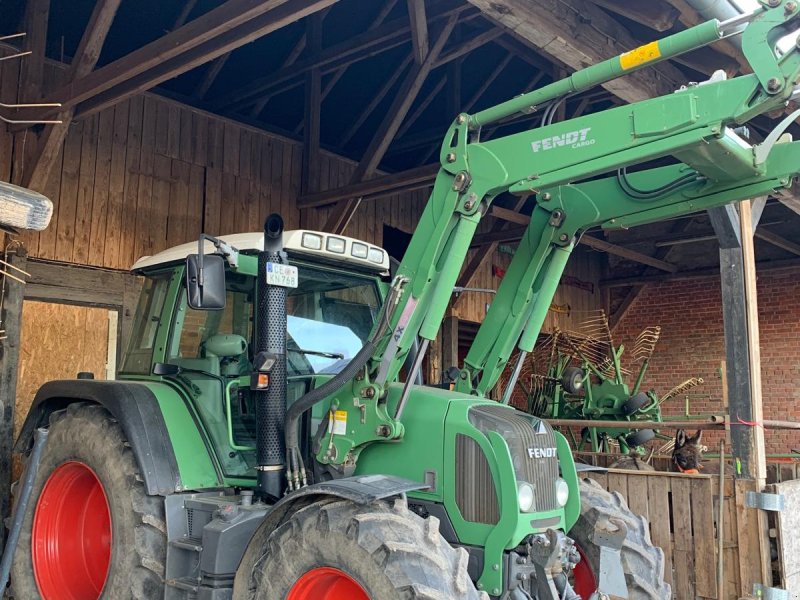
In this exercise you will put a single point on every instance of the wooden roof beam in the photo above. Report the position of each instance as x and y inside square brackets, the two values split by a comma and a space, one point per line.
[370, 43]
[656, 14]
[336, 75]
[342, 213]
[577, 34]
[377, 187]
[376, 100]
[51, 140]
[284, 13]
[419, 29]
[233, 24]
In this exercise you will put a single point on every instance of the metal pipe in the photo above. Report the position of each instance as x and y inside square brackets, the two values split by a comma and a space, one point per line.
[687, 424]
[401, 405]
[271, 339]
[720, 522]
[514, 376]
[39, 438]
[602, 72]
[724, 10]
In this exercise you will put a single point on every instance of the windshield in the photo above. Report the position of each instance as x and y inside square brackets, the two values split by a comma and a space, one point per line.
[329, 318]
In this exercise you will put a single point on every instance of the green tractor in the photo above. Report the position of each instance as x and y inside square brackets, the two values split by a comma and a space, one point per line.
[260, 442]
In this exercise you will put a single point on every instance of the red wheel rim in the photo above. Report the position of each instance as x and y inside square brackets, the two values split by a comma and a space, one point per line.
[326, 583]
[584, 583]
[71, 545]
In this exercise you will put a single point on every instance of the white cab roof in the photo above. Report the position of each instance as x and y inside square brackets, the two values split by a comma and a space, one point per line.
[348, 251]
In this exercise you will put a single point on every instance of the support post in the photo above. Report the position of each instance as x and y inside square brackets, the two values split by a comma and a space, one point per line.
[313, 111]
[11, 322]
[740, 317]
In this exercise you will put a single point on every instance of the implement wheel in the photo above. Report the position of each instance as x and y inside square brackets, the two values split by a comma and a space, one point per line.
[642, 562]
[90, 531]
[339, 550]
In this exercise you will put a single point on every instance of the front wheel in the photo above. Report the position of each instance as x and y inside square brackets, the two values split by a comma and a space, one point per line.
[338, 550]
[642, 562]
[90, 531]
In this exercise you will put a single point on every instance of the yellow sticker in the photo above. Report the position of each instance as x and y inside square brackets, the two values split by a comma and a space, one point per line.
[340, 422]
[640, 55]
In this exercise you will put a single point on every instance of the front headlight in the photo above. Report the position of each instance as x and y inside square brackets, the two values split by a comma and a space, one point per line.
[525, 496]
[562, 492]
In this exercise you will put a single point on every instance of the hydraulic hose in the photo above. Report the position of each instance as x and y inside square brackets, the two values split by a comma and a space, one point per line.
[328, 388]
[296, 470]
[39, 439]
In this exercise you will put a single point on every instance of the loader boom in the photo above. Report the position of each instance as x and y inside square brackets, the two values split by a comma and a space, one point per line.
[695, 125]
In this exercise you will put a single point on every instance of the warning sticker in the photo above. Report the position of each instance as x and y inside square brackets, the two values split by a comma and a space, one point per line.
[340, 422]
[639, 56]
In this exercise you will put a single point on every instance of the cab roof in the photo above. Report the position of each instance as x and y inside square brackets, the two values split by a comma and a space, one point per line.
[337, 248]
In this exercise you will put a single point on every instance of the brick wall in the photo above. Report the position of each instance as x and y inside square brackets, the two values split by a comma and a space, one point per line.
[692, 345]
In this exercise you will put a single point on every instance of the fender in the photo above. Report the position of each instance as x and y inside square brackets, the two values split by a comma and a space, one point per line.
[134, 406]
[362, 489]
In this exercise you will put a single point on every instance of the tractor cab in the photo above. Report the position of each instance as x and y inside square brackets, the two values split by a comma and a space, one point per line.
[208, 354]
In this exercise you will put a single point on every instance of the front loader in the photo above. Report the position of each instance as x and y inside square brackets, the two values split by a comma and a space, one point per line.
[260, 441]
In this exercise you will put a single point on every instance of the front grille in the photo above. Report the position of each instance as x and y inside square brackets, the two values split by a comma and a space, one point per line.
[476, 492]
[532, 444]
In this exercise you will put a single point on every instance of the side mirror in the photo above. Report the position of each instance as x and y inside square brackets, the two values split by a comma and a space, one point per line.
[166, 369]
[205, 281]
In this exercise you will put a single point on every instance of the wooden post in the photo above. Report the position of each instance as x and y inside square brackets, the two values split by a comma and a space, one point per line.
[11, 322]
[313, 110]
[449, 342]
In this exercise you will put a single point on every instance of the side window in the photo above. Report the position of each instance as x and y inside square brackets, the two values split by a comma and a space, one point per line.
[216, 341]
[139, 356]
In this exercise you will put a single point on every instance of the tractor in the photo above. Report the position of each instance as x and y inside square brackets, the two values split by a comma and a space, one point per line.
[267, 437]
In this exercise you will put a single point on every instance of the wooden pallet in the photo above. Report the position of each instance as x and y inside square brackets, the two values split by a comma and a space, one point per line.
[682, 511]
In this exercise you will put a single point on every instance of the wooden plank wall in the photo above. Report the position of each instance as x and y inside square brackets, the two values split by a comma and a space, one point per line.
[682, 512]
[150, 173]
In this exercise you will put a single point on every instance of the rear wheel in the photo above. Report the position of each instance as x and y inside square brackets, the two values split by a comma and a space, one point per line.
[642, 562]
[90, 531]
[338, 550]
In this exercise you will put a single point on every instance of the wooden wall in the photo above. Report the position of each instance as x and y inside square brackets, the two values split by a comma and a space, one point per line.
[150, 173]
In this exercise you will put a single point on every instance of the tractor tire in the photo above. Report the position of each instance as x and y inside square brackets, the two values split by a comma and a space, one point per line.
[90, 531]
[335, 550]
[642, 562]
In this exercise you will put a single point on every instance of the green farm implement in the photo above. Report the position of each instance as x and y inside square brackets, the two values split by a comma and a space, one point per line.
[580, 376]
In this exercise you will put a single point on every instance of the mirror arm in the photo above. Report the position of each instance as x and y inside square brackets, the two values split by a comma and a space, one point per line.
[229, 253]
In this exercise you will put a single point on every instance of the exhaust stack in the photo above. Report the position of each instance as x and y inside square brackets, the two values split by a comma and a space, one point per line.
[270, 353]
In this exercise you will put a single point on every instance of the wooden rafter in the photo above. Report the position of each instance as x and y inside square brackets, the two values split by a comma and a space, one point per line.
[183, 15]
[339, 73]
[424, 103]
[377, 98]
[229, 26]
[389, 35]
[312, 111]
[633, 294]
[419, 29]
[343, 211]
[52, 137]
[377, 187]
[656, 14]
[577, 34]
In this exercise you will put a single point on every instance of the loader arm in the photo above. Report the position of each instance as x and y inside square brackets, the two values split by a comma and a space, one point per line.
[695, 125]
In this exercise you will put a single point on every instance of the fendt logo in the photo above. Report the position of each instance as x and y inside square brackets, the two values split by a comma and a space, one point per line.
[573, 139]
[542, 452]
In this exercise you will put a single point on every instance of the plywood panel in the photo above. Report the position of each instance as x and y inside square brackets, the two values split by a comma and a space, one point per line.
[57, 342]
